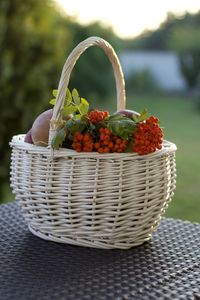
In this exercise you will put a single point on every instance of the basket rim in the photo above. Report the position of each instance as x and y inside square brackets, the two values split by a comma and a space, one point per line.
[19, 143]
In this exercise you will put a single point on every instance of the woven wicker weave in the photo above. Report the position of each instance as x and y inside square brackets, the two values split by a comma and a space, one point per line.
[90, 199]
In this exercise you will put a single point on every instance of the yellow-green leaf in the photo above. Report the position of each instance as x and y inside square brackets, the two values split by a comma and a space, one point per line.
[83, 107]
[68, 95]
[77, 116]
[85, 102]
[76, 97]
[67, 110]
[52, 101]
[55, 93]
[143, 116]
[75, 93]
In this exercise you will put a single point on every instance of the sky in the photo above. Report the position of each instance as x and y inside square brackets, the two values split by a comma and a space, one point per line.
[128, 18]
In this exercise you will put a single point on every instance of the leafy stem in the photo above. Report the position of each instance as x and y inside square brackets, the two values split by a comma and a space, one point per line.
[73, 103]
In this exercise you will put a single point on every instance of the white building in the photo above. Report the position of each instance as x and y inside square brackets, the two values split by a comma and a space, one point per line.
[162, 65]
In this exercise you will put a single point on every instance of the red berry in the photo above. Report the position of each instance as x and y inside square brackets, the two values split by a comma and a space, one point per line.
[148, 137]
[97, 116]
[82, 142]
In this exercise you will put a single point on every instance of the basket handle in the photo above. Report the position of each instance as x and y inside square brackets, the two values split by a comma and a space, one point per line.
[66, 72]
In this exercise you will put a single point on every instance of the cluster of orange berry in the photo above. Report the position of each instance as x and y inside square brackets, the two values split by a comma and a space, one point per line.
[106, 143]
[148, 137]
[82, 142]
[97, 116]
[109, 143]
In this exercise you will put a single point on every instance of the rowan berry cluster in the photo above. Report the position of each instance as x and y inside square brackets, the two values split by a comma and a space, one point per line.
[108, 142]
[82, 142]
[105, 143]
[97, 116]
[148, 137]
[96, 130]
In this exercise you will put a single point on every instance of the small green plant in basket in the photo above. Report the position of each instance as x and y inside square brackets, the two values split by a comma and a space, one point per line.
[94, 130]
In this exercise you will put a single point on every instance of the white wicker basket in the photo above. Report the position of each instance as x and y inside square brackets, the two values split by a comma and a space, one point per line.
[90, 199]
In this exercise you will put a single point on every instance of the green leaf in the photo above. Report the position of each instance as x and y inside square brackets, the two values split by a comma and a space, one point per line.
[73, 104]
[67, 102]
[143, 116]
[84, 102]
[75, 93]
[58, 139]
[52, 101]
[92, 127]
[123, 127]
[116, 117]
[83, 107]
[67, 110]
[74, 125]
[76, 97]
[76, 100]
[77, 116]
[55, 93]
[68, 96]
[135, 118]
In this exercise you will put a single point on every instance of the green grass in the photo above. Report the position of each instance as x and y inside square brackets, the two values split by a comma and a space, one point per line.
[181, 122]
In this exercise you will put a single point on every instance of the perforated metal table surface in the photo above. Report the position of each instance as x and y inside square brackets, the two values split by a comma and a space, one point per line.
[167, 267]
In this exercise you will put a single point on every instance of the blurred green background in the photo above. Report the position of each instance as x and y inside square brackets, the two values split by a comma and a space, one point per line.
[35, 40]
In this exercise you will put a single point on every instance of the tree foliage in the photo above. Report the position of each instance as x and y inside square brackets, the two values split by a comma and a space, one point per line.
[186, 41]
[35, 40]
[93, 73]
[180, 34]
[159, 39]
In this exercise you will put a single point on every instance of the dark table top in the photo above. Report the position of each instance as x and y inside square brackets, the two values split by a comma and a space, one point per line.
[167, 267]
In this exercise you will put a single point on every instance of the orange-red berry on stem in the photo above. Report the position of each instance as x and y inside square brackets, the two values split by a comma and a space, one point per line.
[148, 137]
[97, 116]
[82, 142]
